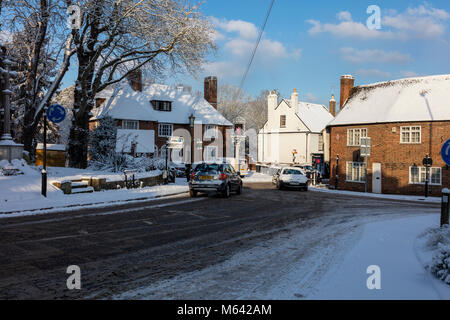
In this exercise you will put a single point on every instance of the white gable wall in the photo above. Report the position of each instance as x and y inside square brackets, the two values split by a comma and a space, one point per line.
[276, 144]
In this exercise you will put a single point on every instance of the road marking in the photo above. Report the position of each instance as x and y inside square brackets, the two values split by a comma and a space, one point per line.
[71, 208]
[148, 222]
[196, 215]
[103, 213]
[155, 206]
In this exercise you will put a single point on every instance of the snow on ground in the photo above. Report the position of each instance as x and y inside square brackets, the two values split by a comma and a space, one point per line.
[323, 258]
[23, 192]
[381, 196]
[257, 177]
[391, 245]
[59, 174]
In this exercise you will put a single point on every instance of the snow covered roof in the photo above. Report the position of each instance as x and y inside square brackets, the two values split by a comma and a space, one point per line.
[125, 103]
[314, 116]
[143, 139]
[404, 100]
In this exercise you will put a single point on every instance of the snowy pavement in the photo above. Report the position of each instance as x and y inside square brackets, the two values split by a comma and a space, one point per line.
[379, 196]
[326, 261]
[391, 245]
[21, 195]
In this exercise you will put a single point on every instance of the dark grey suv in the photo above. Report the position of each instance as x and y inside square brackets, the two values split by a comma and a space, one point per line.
[218, 178]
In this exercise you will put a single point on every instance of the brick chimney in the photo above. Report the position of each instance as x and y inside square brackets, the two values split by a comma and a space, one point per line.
[347, 84]
[210, 91]
[135, 80]
[333, 106]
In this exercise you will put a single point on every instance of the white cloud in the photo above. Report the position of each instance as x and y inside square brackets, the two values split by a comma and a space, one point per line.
[237, 39]
[347, 28]
[224, 69]
[310, 97]
[373, 73]
[421, 22]
[245, 29]
[364, 56]
[239, 47]
[344, 16]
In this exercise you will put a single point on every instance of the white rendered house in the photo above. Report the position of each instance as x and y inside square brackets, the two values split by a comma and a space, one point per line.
[293, 132]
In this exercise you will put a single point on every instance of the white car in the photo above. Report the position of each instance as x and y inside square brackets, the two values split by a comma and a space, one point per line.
[292, 178]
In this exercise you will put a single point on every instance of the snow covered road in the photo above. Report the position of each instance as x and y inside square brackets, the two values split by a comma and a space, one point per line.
[266, 244]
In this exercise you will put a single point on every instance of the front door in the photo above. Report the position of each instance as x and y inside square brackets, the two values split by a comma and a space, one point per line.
[376, 177]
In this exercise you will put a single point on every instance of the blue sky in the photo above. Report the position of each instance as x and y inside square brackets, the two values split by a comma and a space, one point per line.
[308, 45]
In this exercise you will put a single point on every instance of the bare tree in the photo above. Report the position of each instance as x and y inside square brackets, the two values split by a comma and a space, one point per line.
[233, 103]
[257, 111]
[118, 37]
[36, 44]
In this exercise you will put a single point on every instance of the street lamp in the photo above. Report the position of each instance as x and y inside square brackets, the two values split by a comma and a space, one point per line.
[191, 124]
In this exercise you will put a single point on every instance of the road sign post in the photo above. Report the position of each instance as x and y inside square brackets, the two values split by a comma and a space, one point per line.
[445, 207]
[56, 114]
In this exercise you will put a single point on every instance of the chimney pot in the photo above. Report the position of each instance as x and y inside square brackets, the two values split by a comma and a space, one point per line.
[347, 84]
[210, 91]
[135, 79]
[333, 106]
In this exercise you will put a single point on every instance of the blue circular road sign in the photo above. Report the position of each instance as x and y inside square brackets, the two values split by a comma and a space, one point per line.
[445, 152]
[56, 113]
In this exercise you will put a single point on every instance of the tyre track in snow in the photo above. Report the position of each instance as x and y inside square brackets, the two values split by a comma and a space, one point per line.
[143, 247]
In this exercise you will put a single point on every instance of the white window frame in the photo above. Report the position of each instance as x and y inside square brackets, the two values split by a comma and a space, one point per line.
[410, 131]
[161, 129]
[211, 131]
[354, 136]
[207, 153]
[126, 124]
[358, 169]
[422, 175]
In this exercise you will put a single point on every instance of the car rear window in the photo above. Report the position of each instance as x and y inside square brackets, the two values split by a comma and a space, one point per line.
[291, 171]
[208, 167]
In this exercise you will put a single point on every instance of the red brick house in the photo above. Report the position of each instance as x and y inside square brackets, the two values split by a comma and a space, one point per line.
[406, 120]
[149, 114]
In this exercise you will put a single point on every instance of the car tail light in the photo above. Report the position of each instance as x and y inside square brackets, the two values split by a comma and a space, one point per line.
[192, 176]
[223, 176]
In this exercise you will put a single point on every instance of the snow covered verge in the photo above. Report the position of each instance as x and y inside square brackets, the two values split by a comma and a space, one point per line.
[21, 194]
[379, 196]
[296, 265]
[434, 245]
[401, 250]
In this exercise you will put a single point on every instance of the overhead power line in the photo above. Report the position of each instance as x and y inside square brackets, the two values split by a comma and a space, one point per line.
[256, 46]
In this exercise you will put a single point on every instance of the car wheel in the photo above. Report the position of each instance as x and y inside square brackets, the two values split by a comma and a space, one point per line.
[279, 186]
[193, 193]
[239, 190]
[227, 191]
[306, 188]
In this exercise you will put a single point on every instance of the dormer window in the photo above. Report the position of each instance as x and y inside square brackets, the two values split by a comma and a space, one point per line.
[159, 105]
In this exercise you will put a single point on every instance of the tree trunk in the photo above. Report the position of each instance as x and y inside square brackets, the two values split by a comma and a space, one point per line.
[78, 142]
